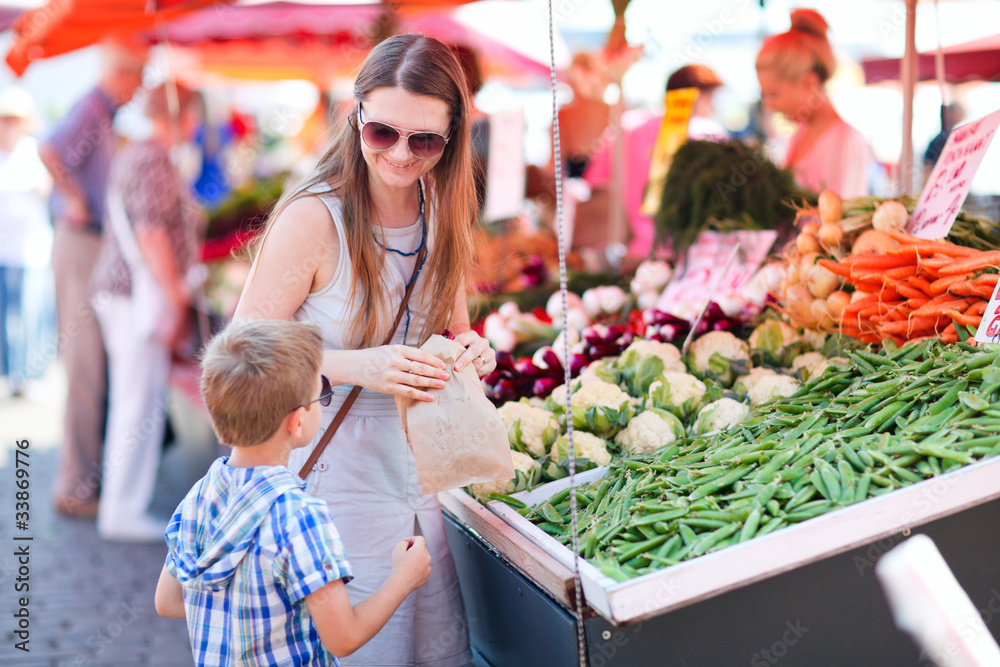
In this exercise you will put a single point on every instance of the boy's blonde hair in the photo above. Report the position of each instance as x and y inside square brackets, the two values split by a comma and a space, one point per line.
[257, 371]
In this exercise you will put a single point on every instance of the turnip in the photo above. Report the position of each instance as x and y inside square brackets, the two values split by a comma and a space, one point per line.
[820, 313]
[831, 208]
[798, 300]
[821, 281]
[836, 302]
[806, 242]
[810, 228]
[890, 216]
[830, 234]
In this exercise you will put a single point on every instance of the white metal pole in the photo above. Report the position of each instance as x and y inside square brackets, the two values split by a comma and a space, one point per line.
[908, 75]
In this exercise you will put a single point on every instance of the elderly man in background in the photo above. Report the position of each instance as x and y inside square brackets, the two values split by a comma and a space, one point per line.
[78, 155]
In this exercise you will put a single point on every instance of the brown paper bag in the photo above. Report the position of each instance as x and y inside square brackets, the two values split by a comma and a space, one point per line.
[458, 438]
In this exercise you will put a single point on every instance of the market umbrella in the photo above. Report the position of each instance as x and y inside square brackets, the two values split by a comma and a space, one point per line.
[61, 26]
[318, 42]
[978, 60]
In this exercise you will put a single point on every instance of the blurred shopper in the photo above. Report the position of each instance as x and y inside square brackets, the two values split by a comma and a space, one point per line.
[640, 137]
[142, 300]
[78, 155]
[25, 239]
[951, 115]
[583, 119]
[793, 67]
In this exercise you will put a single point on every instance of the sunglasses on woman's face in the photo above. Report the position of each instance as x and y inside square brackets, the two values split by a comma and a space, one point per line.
[325, 394]
[382, 136]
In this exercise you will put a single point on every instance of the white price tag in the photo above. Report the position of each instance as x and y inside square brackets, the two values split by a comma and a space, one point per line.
[949, 183]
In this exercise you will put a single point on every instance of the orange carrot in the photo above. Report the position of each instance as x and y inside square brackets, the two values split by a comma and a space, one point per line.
[899, 341]
[975, 263]
[910, 292]
[936, 308]
[990, 279]
[913, 324]
[879, 261]
[933, 248]
[978, 308]
[921, 284]
[904, 238]
[963, 319]
[835, 267]
[941, 284]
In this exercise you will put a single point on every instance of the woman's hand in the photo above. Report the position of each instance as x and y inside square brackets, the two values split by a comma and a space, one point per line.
[477, 352]
[400, 370]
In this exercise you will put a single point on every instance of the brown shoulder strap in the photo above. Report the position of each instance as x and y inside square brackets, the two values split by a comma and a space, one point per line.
[349, 401]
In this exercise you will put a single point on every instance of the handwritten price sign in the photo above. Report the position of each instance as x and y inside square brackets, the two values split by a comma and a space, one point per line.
[989, 328]
[706, 260]
[949, 183]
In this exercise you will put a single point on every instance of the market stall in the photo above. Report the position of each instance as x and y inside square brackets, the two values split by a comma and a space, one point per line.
[753, 483]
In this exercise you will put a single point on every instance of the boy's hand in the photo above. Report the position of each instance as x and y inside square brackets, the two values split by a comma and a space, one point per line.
[412, 562]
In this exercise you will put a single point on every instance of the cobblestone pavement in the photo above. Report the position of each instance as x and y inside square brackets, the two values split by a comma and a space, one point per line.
[90, 601]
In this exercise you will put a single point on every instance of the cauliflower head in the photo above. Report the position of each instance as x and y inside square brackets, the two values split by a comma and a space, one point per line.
[771, 387]
[601, 370]
[598, 394]
[667, 353]
[586, 445]
[719, 355]
[529, 429]
[526, 473]
[745, 382]
[680, 393]
[649, 431]
[812, 365]
[775, 342]
[719, 415]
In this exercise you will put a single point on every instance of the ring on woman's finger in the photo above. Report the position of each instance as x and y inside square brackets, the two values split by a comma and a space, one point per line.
[410, 369]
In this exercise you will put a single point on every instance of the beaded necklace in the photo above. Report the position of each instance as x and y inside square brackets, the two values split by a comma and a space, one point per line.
[423, 244]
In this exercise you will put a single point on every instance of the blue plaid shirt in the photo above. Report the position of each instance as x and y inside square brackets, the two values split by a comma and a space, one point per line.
[248, 545]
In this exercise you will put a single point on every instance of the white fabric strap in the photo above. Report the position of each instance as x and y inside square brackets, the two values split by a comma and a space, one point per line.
[124, 234]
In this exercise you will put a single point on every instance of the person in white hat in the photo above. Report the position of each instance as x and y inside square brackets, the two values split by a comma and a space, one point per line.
[25, 237]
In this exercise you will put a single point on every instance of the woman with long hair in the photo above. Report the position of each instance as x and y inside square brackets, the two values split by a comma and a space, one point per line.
[793, 68]
[340, 250]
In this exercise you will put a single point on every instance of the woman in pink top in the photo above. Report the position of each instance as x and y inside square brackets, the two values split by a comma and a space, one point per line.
[825, 152]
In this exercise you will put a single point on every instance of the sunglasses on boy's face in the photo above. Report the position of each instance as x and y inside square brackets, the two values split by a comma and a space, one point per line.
[325, 394]
[382, 136]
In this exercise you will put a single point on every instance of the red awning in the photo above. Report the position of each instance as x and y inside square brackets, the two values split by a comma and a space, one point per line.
[978, 60]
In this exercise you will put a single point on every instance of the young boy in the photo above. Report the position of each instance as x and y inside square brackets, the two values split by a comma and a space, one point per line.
[254, 562]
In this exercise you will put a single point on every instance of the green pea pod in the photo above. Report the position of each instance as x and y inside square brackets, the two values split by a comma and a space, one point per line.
[943, 453]
[708, 541]
[687, 534]
[504, 498]
[751, 525]
[803, 496]
[830, 480]
[771, 526]
[659, 516]
[817, 481]
[861, 490]
[972, 401]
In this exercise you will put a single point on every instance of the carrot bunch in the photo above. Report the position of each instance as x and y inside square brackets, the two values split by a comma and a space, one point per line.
[916, 290]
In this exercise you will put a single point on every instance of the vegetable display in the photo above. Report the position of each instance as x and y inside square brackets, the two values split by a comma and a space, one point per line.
[874, 423]
[917, 289]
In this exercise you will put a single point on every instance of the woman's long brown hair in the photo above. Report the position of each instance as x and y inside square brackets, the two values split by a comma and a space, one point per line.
[422, 66]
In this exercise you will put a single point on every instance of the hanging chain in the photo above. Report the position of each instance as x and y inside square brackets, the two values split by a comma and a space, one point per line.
[581, 640]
